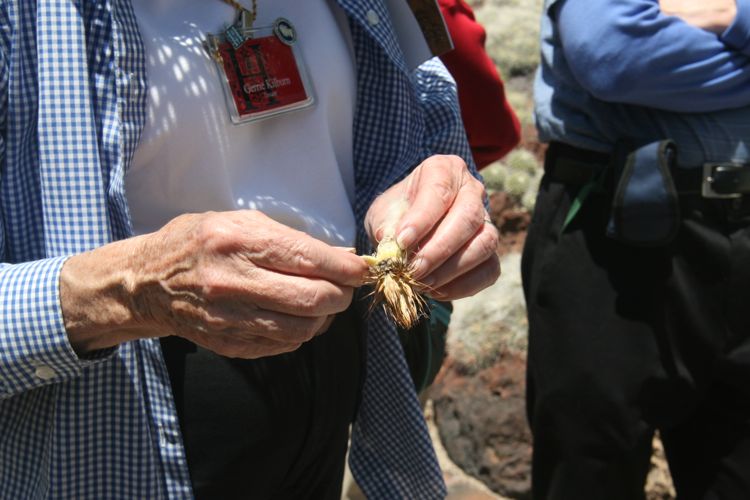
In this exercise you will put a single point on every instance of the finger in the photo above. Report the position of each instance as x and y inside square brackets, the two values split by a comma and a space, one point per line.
[280, 248]
[255, 351]
[262, 241]
[253, 287]
[430, 191]
[314, 259]
[377, 215]
[347, 249]
[326, 325]
[482, 246]
[236, 318]
[293, 295]
[278, 327]
[462, 222]
[469, 283]
[233, 347]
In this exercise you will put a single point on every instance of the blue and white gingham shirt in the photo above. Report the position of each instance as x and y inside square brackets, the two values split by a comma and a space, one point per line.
[72, 105]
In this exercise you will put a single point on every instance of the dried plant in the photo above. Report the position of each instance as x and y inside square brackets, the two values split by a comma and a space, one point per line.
[391, 275]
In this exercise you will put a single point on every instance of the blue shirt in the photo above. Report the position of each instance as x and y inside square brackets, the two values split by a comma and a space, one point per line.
[72, 105]
[620, 68]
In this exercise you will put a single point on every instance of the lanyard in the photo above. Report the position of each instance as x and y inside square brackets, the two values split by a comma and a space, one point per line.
[247, 16]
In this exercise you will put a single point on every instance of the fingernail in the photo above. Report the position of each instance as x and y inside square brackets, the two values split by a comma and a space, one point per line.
[407, 237]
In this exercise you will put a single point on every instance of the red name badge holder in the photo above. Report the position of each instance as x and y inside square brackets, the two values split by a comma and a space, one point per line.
[261, 70]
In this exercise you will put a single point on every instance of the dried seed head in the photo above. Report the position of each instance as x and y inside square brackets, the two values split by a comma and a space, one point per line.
[394, 286]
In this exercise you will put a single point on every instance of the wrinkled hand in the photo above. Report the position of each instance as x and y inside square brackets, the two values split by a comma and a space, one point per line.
[446, 226]
[236, 283]
[710, 15]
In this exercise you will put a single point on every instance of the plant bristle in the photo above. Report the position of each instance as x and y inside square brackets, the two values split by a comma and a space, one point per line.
[396, 289]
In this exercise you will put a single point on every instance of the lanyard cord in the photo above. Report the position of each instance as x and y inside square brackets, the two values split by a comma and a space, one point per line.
[250, 13]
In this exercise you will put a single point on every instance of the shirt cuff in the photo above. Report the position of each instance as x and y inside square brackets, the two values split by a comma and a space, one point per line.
[34, 346]
[737, 35]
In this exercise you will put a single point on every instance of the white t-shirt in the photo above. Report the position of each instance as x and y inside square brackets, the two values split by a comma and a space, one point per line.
[296, 167]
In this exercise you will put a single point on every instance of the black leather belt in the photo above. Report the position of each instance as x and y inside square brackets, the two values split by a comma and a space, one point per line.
[576, 166]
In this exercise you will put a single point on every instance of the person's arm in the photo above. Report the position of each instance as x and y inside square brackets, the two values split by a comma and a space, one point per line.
[438, 94]
[34, 347]
[737, 35]
[628, 51]
[446, 224]
[236, 283]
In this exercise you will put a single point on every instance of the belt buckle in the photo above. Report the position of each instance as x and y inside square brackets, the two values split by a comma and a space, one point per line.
[707, 190]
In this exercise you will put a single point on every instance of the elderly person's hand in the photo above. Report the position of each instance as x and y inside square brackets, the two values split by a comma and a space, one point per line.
[236, 283]
[710, 15]
[446, 226]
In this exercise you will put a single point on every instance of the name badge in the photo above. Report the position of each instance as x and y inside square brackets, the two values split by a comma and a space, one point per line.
[261, 70]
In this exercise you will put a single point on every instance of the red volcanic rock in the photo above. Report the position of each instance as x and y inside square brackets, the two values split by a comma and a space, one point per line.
[482, 423]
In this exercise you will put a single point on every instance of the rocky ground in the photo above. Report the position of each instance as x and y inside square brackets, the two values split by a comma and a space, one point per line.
[478, 398]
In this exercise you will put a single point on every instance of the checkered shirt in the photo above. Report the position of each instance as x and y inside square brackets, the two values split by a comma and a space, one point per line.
[72, 106]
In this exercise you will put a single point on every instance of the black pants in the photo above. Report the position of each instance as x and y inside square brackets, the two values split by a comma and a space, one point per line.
[271, 428]
[626, 340]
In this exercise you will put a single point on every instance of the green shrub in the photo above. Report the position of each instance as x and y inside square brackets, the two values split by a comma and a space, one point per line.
[518, 175]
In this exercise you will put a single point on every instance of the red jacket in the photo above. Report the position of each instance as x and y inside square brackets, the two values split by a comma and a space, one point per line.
[491, 125]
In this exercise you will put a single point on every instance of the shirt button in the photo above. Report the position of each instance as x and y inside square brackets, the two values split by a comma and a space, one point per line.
[45, 372]
[372, 17]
